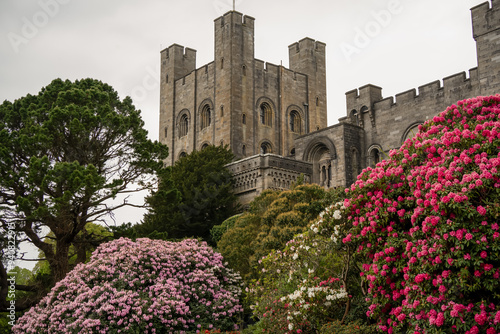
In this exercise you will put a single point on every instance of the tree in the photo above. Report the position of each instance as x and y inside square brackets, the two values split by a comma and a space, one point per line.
[86, 241]
[147, 286]
[65, 154]
[193, 195]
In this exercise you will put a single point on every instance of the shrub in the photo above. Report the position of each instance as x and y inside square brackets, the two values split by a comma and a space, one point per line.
[426, 223]
[355, 327]
[273, 219]
[147, 286]
[298, 290]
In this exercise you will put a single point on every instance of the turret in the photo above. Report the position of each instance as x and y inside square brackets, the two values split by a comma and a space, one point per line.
[176, 63]
[486, 32]
[309, 57]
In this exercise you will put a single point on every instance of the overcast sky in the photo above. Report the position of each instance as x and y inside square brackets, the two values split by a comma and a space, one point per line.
[395, 44]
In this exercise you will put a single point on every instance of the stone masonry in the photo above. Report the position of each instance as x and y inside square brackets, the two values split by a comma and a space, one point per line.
[274, 118]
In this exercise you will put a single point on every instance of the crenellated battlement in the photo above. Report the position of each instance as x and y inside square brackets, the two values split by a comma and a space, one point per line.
[178, 51]
[306, 45]
[365, 96]
[235, 17]
[274, 69]
[485, 18]
[177, 61]
[371, 96]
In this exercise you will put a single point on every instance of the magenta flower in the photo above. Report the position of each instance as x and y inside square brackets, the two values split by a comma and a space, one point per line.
[447, 181]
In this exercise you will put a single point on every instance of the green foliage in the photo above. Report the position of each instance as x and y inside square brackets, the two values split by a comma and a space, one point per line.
[355, 327]
[194, 195]
[305, 285]
[85, 242]
[65, 153]
[218, 230]
[274, 218]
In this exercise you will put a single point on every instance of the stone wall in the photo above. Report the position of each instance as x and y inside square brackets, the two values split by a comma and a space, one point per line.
[234, 87]
[266, 171]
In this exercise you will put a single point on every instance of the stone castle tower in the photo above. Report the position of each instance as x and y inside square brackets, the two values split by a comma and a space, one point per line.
[238, 100]
[274, 118]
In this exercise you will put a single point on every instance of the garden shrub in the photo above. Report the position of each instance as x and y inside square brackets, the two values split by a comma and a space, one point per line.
[303, 287]
[273, 219]
[218, 230]
[354, 327]
[147, 286]
[425, 223]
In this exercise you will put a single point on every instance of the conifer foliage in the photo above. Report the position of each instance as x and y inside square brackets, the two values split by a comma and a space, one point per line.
[193, 195]
[65, 154]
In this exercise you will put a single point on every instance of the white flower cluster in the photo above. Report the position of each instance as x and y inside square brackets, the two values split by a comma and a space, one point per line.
[335, 234]
[339, 295]
[337, 214]
[311, 292]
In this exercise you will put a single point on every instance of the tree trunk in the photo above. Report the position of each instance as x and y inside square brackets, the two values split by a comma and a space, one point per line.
[59, 264]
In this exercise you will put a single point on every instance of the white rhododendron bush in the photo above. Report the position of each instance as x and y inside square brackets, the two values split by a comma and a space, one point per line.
[147, 286]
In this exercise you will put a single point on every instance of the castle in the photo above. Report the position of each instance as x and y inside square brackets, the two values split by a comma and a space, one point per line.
[274, 118]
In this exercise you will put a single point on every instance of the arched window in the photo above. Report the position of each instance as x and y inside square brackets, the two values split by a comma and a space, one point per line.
[292, 152]
[354, 117]
[265, 148]
[183, 125]
[244, 150]
[221, 111]
[410, 132]
[204, 146]
[295, 122]
[375, 156]
[244, 119]
[266, 114]
[205, 116]
[182, 155]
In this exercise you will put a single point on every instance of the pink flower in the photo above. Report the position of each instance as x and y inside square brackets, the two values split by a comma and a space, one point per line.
[481, 210]
[439, 319]
[474, 330]
[483, 254]
[480, 318]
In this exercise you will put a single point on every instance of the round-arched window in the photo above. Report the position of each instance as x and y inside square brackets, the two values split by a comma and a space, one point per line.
[266, 114]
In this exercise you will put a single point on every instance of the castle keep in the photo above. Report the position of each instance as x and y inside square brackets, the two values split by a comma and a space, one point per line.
[274, 118]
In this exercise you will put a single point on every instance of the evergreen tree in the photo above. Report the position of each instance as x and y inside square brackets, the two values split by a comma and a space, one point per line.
[193, 195]
[65, 154]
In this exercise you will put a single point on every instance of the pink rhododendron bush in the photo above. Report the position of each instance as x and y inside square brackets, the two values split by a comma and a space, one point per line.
[147, 286]
[425, 224]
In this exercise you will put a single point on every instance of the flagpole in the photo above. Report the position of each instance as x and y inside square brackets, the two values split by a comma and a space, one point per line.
[234, 5]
